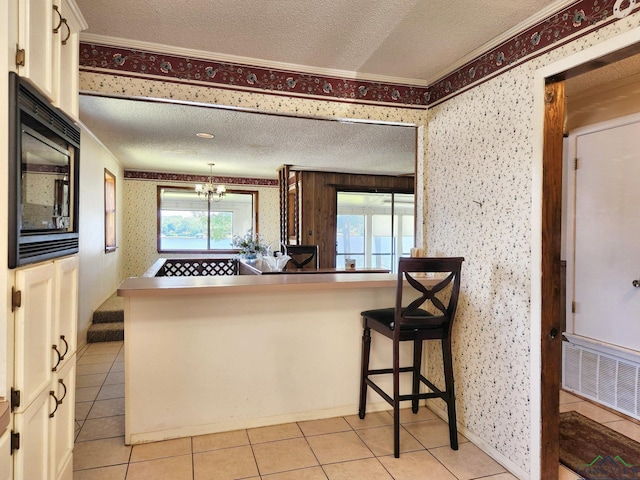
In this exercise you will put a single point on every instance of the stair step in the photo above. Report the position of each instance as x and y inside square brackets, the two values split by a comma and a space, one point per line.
[105, 332]
[112, 310]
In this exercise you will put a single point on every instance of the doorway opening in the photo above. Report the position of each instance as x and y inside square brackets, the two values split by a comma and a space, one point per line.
[554, 76]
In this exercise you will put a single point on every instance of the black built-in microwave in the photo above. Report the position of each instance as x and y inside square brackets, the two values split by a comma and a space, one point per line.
[44, 160]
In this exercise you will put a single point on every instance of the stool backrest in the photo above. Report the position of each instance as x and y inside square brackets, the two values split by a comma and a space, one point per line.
[302, 257]
[428, 287]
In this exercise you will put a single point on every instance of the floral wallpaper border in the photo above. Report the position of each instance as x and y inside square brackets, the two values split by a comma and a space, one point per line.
[181, 177]
[125, 61]
[573, 21]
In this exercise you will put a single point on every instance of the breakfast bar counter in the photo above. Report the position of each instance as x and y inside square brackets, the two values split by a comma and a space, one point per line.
[219, 353]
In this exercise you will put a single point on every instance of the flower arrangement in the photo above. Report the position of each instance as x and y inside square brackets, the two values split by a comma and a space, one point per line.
[249, 245]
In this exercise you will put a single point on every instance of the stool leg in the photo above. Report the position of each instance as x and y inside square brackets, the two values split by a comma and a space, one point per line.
[417, 366]
[366, 349]
[450, 393]
[396, 397]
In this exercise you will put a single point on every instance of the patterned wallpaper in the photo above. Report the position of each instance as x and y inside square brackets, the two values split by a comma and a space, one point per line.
[478, 176]
[140, 222]
[478, 188]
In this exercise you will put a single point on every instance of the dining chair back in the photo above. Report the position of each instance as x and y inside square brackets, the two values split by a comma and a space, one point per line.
[303, 257]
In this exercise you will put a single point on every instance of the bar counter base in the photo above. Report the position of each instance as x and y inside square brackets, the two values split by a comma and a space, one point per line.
[221, 359]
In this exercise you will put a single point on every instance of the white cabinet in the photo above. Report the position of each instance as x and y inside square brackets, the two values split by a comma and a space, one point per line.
[36, 40]
[31, 460]
[67, 81]
[65, 323]
[33, 332]
[62, 424]
[48, 43]
[45, 366]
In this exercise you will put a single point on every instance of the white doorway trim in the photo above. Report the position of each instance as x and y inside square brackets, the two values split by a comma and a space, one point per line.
[606, 47]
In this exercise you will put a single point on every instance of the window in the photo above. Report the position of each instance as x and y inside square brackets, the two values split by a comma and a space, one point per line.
[375, 229]
[190, 223]
[109, 211]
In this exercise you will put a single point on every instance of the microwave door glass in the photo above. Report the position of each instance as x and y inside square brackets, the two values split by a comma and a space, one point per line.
[45, 179]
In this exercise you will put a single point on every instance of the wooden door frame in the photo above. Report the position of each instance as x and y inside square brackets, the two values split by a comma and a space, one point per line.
[547, 194]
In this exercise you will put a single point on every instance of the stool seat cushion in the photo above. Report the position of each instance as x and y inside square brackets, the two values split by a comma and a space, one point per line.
[416, 319]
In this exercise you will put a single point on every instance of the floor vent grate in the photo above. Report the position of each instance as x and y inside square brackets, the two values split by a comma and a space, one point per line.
[602, 377]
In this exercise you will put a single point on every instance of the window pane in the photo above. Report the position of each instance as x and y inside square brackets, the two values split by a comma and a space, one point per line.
[109, 211]
[350, 234]
[384, 228]
[188, 222]
[183, 230]
[221, 230]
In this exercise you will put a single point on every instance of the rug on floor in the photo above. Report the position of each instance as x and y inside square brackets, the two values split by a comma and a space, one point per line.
[595, 451]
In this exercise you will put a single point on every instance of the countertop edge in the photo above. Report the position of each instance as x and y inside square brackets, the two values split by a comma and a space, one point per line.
[151, 286]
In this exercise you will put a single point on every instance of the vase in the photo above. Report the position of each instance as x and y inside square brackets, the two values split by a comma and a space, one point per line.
[250, 257]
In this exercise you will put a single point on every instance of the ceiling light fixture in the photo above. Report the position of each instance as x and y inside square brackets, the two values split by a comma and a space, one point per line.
[204, 135]
[210, 191]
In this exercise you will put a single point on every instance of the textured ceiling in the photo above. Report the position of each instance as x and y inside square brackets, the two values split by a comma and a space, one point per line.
[152, 136]
[405, 41]
[410, 39]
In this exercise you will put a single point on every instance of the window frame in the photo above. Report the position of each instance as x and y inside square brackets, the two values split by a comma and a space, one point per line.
[253, 193]
[110, 238]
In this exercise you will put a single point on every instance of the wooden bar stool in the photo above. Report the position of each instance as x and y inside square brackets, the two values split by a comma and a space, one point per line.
[414, 323]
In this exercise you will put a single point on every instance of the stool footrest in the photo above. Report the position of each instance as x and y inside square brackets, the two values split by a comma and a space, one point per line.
[381, 371]
[403, 398]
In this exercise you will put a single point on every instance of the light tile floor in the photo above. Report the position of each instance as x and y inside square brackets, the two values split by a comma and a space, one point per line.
[343, 448]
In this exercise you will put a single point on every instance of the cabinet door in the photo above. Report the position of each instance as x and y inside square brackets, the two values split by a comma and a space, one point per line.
[6, 462]
[31, 460]
[66, 310]
[69, 50]
[63, 420]
[37, 21]
[33, 325]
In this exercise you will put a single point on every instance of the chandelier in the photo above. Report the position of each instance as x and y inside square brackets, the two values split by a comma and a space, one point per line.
[210, 191]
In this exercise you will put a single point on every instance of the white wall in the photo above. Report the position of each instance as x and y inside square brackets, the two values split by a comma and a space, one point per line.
[100, 272]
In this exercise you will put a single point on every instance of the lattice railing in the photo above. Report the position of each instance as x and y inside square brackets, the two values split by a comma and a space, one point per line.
[198, 267]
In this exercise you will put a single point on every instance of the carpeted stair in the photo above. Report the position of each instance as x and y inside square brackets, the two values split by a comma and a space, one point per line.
[108, 321]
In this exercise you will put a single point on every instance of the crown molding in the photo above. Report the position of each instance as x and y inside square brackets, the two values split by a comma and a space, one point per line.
[82, 22]
[247, 61]
[542, 15]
